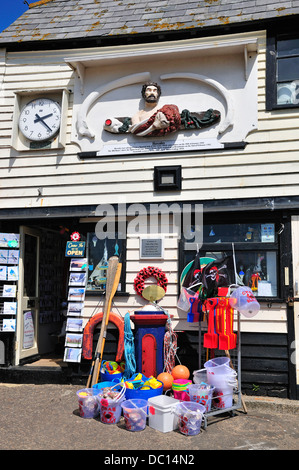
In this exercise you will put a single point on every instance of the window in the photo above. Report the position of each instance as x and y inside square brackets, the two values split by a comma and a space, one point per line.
[98, 254]
[256, 253]
[282, 71]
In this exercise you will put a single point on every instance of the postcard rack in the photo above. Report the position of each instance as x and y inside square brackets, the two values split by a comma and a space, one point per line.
[9, 277]
[217, 405]
[76, 297]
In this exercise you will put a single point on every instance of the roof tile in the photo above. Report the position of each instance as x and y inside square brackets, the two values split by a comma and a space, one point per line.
[58, 19]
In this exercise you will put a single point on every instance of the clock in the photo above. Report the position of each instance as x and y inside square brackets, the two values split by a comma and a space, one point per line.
[40, 119]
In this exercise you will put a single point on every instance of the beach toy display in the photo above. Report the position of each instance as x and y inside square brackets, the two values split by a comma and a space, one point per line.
[88, 403]
[179, 387]
[135, 414]
[110, 400]
[190, 416]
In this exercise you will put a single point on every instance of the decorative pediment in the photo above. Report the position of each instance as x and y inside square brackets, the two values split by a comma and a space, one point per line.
[208, 99]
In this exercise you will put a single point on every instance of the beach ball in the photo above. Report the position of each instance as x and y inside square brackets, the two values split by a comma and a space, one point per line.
[166, 379]
[180, 372]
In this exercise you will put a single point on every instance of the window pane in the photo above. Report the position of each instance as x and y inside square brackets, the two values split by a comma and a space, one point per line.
[98, 254]
[288, 93]
[228, 233]
[256, 269]
[288, 47]
[288, 69]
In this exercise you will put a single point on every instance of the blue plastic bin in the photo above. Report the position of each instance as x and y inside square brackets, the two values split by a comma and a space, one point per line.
[105, 376]
[101, 385]
[142, 394]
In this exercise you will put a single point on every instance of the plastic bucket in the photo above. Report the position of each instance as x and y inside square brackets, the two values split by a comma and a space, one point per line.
[184, 298]
[224, 386]
[110, 408]
[109, 375]
[162, 416]
[218, 365]
[189, 417]
[135, 414]
[106, 376]
[102, 385]
[88, 403]
[243, 300]
[200, 376]
[201, 393]
[179, 387]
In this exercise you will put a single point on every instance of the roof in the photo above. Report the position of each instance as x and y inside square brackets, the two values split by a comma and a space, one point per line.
[48, 20]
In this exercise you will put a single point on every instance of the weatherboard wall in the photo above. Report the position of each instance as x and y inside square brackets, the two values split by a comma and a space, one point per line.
[267, 167]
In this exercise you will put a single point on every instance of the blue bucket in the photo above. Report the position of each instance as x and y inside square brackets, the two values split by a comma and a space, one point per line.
[137, 393]
[114, 377]
[101, 385]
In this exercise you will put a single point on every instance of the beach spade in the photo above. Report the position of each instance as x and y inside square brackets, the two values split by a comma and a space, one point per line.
[153, 293]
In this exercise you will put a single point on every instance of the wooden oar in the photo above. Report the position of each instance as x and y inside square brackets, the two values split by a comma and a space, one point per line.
[113, 276]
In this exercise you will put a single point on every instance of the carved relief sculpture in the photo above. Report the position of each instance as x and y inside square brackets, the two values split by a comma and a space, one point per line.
[152, 121]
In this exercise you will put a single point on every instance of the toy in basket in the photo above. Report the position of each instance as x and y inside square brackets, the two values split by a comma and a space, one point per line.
[139, 386]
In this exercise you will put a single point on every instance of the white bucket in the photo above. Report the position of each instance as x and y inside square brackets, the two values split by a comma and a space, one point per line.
[224, 386]
[218, 365]
[161, 413]
[200, 376]
[243, 300]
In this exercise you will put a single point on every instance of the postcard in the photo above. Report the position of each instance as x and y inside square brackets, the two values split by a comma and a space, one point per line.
[75, 308]
[73, 340]
[11, 240]
[9, 308]
[77, 279]
[3, 256]
[9, 325]
[72, 355]
[76, 294]
[9, 291]
[78, 264]
[13, 257]
[74, 324]
[3, 273]
[12, 273]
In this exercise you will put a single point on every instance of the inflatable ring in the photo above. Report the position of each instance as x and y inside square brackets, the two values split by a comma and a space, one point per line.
[145, 273]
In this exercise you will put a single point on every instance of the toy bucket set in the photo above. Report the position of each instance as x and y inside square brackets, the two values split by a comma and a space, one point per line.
[179, 387]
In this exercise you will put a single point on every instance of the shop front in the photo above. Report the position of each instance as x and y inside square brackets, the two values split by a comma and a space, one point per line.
[47, 317]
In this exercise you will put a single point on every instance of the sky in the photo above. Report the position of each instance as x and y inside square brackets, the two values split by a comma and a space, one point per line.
[11, 10]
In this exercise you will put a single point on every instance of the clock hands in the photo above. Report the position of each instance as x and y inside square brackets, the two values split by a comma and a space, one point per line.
[41, 119]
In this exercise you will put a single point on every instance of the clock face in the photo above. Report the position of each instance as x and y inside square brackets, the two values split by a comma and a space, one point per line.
[40, 119]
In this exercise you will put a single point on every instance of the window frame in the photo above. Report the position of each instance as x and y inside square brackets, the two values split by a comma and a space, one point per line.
[226, 247]
[271, 70]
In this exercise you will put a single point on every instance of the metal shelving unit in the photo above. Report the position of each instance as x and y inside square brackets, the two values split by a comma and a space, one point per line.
[235, 363]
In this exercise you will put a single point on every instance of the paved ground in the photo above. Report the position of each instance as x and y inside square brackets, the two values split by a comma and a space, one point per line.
[46, 417]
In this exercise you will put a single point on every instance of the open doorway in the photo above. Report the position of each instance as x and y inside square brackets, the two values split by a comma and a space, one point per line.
[41, 297]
